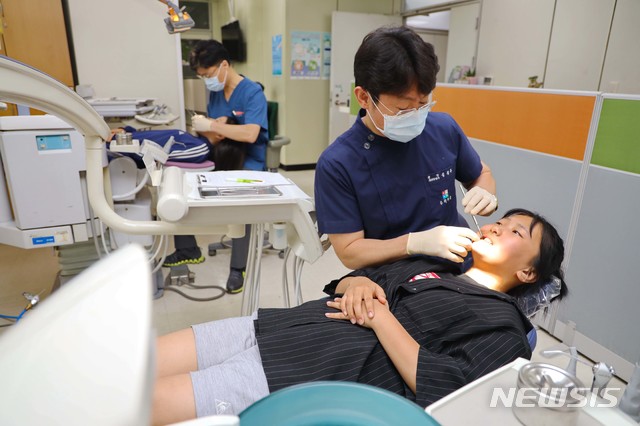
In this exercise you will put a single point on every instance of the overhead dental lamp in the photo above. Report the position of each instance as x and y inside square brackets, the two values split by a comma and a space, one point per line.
[178, 20]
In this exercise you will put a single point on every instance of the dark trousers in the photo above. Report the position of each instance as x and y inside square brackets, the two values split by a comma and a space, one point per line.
[239, 247]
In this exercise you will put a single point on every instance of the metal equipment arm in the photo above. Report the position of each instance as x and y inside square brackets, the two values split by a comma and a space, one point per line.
[24, 85]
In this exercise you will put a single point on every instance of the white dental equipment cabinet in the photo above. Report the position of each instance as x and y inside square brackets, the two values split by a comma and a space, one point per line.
[140, 113]
[86, 355]
[178, 215]
[43, 198]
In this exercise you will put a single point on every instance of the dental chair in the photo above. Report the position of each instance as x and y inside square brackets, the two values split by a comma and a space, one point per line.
[326, 403]
[276, 141]
[536, 304]
[84, 356]
[335, 403]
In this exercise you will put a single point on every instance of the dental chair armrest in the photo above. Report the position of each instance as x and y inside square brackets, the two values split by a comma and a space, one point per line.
[279, 141]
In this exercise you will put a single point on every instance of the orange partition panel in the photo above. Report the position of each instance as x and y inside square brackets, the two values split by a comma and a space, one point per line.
[552, 123]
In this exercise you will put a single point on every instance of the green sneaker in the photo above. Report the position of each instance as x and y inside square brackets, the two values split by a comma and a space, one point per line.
[235, 282]
[183, 257]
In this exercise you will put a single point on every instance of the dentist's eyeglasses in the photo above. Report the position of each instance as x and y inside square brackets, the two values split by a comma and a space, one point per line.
[211, 74]
[204, 77]
[405, 112]
[424, 107]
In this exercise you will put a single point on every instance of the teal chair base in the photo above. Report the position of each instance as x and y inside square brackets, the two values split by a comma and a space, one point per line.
[335, 403]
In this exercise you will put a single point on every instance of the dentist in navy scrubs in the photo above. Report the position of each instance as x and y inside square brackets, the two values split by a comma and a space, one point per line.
[385, 189]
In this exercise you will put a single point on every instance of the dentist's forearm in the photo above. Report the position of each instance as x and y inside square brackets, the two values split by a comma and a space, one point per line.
[238, 132]
[485, 180]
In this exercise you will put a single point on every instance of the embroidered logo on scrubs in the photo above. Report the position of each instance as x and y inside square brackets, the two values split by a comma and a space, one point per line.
[423, 276]
[223, 407]
[445, 197]
[434, 177]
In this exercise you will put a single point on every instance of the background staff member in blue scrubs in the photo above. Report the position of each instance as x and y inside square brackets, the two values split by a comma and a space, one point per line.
[385, 188]
[231, 95]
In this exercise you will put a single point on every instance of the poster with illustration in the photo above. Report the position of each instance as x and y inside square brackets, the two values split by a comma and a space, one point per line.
[306, 54]
[276, 54]
[326, 55]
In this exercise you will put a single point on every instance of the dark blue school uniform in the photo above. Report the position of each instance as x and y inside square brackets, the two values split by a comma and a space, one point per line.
[365, 182]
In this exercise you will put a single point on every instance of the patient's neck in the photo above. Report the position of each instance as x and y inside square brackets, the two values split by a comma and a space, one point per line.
[491, 280]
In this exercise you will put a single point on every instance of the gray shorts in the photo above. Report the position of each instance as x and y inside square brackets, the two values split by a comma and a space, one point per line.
[230, 376]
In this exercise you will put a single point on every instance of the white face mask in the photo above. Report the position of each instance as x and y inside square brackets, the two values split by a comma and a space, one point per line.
[213, 84]
[405, 125]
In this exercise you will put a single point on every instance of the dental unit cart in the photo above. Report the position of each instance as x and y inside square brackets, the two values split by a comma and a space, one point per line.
[244, 197]
[177, 213]
[43, 198]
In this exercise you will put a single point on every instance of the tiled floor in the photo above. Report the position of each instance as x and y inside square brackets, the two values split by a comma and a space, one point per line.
[173, 312]
[35, 271]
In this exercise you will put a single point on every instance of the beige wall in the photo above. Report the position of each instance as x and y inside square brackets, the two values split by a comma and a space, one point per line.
[304, 104]
[513, 40]
[439, 42]
[274, 23]
[122, 49]
[462, 38]
[568, 44]
[259, 21]
[307, 101]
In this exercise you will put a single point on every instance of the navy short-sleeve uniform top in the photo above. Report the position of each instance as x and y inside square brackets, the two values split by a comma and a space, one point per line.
[249, 106]
[365, 182]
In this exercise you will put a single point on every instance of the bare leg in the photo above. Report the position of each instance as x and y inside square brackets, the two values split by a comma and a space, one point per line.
[176, 353]
[173, 400]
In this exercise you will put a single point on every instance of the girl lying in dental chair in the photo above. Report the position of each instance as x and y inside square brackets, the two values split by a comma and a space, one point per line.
[427, 333]
[227, 154]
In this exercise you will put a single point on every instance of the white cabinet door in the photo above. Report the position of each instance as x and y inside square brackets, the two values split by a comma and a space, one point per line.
[578, 44]
[513, 40]
[620, 73]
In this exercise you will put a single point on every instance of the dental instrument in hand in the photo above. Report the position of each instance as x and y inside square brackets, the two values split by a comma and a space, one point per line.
[464, 192]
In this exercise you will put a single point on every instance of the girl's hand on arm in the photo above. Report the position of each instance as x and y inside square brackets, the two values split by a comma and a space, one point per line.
[396, 341]
[380, 312]
[358, 294]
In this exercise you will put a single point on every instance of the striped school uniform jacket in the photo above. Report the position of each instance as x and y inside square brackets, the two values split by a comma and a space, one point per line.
[464, 331]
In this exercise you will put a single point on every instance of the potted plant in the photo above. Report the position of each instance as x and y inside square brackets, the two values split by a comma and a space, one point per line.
[534, 83]
[471, 76]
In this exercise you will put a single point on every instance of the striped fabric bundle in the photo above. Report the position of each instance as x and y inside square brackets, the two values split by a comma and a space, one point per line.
[185, 148]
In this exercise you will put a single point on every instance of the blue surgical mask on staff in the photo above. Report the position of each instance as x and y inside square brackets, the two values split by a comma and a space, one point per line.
[213, 84]
[406, 125]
